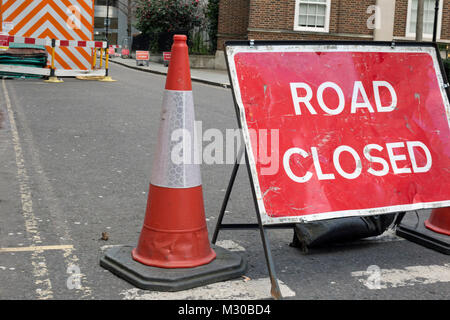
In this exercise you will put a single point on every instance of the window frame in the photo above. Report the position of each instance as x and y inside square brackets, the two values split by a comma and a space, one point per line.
[412, 33]
[326, 27]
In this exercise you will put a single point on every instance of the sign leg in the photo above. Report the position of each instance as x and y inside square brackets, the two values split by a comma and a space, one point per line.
[275, 290]
[227, 195]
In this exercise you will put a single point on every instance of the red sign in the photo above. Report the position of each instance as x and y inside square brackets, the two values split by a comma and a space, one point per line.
[167, 55]
[142, 55]
[4, 41]
[343, 132]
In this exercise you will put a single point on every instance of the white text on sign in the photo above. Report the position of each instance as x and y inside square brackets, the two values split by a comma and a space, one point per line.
[358, 91]
[304, 100]
[368, 154]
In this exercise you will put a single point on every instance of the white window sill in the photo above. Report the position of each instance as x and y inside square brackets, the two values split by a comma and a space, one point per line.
[314, 30]
[412, 37]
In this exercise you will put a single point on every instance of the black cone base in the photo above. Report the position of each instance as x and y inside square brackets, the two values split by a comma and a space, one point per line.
[227, 265]
[415, 231]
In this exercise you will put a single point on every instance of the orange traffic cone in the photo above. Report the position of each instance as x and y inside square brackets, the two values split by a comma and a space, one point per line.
[174, 234]
[439, 221]
[433, 232]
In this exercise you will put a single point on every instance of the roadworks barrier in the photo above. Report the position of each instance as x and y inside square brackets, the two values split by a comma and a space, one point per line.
[23, 66]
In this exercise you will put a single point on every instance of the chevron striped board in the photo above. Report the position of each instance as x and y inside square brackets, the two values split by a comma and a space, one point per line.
[53, 19]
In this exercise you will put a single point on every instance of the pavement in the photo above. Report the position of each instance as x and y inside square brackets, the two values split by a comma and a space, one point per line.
[75, 162]
[208, 76]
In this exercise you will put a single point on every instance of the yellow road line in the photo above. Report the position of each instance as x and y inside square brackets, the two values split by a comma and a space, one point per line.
[36, 248]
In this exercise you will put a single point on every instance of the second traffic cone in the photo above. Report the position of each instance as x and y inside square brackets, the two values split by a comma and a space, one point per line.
[173, 252]
[174, 234]
[439, 221]
[433, 232]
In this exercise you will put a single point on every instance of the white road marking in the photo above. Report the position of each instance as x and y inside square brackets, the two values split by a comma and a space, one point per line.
[230, 245]
[40, 272]
[36, 248]
[53, 206]
[240, 289]
[409, 276]
[108, 246]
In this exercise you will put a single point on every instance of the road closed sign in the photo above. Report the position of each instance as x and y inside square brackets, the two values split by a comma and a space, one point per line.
[342, 129]
[142, 55]
[4, 41]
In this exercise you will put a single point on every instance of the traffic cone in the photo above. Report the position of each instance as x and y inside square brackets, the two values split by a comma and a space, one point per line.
[439, 221]
[173, 252]
[433, 232]
[174, 234]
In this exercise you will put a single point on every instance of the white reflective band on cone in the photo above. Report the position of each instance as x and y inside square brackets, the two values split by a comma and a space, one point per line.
[173, 165]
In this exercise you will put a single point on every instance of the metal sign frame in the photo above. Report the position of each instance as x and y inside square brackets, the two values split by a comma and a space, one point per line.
[265, 222]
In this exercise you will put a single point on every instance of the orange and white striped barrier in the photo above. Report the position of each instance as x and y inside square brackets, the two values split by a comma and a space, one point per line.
[53, 71]
[53, 19]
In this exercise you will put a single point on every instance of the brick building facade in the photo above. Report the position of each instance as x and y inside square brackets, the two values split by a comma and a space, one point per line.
[327, 20]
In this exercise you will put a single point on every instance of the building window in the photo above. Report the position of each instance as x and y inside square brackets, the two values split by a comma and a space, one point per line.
[112, 3]
[312, 15]
[428, 18]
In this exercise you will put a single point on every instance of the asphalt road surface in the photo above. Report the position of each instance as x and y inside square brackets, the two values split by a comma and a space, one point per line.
[75, 162]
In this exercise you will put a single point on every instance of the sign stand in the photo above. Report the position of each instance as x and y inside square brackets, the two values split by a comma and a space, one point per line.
[265, 98]
[275, 288]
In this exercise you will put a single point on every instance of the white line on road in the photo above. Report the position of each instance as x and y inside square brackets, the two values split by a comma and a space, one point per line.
[230, 245]
[241, 289]
[409, 276]
[53, 205]
[40, 272]
[36, 248]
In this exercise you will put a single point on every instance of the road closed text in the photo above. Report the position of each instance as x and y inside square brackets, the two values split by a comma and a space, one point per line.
[359, 93]
[403, 157]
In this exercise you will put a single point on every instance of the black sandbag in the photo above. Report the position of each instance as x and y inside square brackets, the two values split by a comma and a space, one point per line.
[326, 232]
